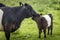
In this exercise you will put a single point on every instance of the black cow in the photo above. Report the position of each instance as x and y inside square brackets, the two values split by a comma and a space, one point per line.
[11, 17]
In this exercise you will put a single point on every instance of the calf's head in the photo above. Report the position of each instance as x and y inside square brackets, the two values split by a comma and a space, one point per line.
[36, 17]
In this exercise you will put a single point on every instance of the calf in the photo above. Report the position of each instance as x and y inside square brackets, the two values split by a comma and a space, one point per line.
[43, 22]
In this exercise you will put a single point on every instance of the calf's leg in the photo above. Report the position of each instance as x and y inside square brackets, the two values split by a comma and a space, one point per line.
[48, 30]
[40, 33]
[51, 24]
[44, 33]
[51, 30]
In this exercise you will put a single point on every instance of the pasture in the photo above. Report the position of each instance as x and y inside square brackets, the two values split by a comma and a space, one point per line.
[28, 29]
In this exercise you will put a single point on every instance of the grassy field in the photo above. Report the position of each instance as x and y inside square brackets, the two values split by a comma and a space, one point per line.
[28, 29]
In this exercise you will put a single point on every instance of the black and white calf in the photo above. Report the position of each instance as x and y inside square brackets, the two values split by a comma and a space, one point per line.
[11, 17]
[43, 22]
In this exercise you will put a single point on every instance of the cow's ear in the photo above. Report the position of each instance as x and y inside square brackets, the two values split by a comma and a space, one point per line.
[20, 3]
[26, 4]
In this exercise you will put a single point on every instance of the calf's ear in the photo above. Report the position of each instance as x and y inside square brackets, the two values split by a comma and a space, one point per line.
[21, 4]
[38, 15]
[41, 14]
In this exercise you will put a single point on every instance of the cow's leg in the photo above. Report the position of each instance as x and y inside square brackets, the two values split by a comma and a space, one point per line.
[7, 30]
[7, 34]
[44, 33]
[40, 33]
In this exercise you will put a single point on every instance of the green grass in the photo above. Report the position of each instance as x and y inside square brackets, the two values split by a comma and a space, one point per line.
[28, 29]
